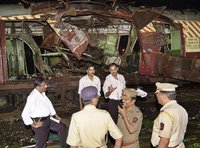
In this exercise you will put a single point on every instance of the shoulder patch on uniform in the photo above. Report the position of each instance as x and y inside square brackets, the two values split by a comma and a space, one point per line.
[135, 119]
[162, 125]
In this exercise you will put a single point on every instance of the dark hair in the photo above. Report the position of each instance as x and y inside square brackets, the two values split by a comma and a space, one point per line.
[89, 66]
[112, 64]
[38, 81]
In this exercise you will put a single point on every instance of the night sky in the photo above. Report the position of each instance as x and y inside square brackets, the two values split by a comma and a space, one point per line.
[171, 4]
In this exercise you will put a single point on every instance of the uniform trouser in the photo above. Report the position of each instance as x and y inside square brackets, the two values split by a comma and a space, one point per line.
[113, 109]
[41, 134]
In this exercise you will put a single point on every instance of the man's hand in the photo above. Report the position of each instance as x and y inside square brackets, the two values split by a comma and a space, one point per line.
[118, 143]
[37, 124]
[121, 111]
[110, 90]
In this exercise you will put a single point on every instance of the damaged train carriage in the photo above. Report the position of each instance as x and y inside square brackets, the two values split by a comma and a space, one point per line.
[173, 48]
[59, 46]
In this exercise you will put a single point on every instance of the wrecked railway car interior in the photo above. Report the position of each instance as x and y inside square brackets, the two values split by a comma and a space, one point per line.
[59, 39]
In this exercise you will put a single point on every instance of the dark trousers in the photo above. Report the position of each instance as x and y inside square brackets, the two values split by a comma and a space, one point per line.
[42, 133]
[113, 109]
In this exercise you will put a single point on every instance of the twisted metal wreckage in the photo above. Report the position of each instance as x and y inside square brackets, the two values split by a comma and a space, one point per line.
[58, 39]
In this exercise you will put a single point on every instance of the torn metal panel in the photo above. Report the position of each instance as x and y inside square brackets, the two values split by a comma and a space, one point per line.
[144, 16]
[148, 28]
[139, 17]
[152, 40]
[178, 67]
[51, 40]
[71, 36]
[148, 63]
[162, 65]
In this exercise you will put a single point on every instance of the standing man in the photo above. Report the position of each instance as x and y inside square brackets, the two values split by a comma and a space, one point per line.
[89, 80]
[112, 89]
[37, 113]
[130, 119]
[88, 127]
[170, 126]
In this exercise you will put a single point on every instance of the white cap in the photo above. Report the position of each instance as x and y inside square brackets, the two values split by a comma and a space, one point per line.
[166, 86]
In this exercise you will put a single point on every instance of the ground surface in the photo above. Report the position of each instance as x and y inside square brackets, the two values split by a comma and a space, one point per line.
[14, 134]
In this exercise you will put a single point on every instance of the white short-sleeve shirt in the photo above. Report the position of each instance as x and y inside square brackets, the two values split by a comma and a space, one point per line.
[119, 83]
[85, 81]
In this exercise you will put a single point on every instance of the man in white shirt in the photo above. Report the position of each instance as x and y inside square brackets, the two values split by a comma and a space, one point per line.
[89, 80]
[88, 127]
[112, 88]
[37, 113]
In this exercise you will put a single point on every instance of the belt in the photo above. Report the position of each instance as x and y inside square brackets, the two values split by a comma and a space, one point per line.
[174, 146]
[127, 144]
[40, 118]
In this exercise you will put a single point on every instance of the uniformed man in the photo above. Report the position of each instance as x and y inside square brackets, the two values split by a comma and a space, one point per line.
[90, 79]
[88, 127]
[39, 111]
[112, 89]
[170, 126]
[130, 119]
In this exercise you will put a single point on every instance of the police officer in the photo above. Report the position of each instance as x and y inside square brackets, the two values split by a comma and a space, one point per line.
[130, 119]
[170, 126]
[89, 126]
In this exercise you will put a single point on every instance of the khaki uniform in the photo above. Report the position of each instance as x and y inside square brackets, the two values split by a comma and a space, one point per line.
[89, 126]
[135, 117]
[171, 123]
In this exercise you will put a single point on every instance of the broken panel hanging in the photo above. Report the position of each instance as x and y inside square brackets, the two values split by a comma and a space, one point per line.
[71, 36]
